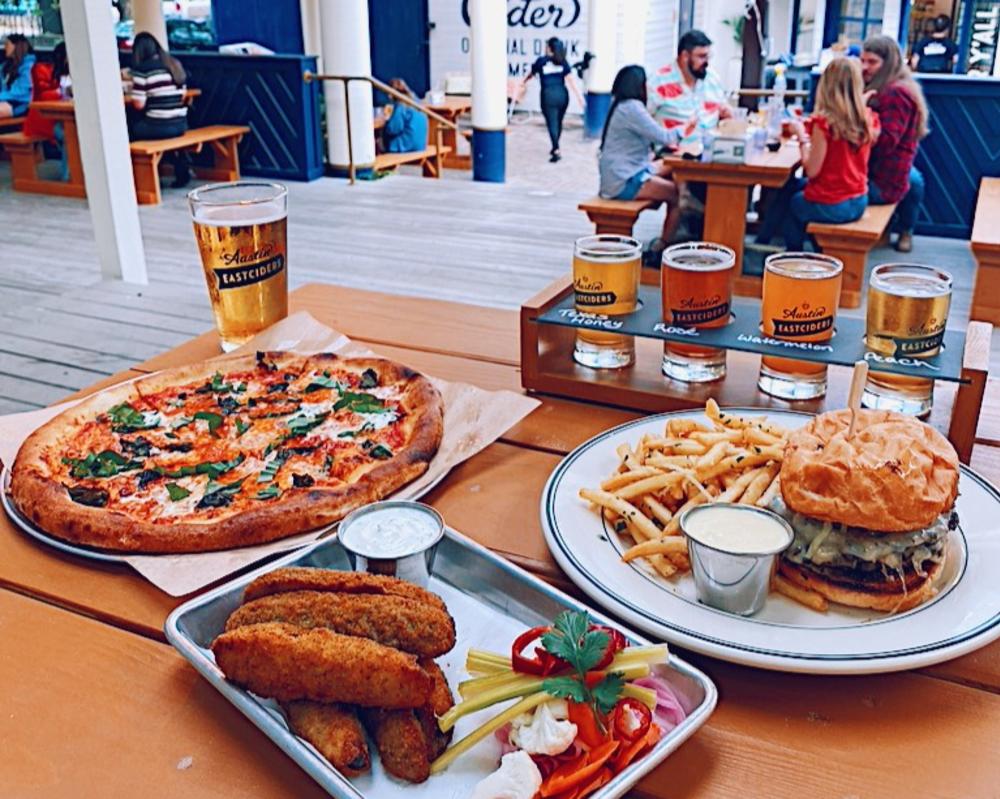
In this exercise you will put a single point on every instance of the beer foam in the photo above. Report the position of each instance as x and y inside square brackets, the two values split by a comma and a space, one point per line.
[250, 214]
[910, 285]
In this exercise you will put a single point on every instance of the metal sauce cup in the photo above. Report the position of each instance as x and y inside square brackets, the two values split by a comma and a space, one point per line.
[727, 579]
[411, 561]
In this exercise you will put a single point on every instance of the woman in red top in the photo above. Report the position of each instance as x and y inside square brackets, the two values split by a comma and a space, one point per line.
[45, 79]
[835, 143]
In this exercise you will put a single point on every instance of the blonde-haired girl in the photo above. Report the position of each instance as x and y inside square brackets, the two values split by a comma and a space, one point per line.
[835, 143]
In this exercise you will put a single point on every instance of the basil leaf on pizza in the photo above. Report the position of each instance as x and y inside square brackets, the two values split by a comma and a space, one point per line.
[241, 451]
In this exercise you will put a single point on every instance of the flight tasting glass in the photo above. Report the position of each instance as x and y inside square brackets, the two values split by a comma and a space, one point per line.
[606, 274]
[799, 305]
[696, 281]
[908, 308]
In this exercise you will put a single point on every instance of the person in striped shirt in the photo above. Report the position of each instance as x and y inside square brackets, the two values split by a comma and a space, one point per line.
[157, 98]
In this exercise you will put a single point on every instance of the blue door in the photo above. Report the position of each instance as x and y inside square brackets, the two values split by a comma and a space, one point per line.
[400, 42]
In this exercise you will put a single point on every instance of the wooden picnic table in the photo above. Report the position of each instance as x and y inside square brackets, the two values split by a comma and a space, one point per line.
[451, 108]
[726, 197]
[63, 111]
[94, 696]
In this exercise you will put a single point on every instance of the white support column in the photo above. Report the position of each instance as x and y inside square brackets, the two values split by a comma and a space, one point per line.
[148, 16]
[634, 22]
[312, 39]
[100, 120]
[346, 51]
[488, 52]
[602, 20]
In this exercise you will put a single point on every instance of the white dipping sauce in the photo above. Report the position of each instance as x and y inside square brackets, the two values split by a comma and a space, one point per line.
[390, 532]
[738, 530]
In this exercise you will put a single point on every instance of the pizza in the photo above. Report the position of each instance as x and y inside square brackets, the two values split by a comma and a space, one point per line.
[240, 450]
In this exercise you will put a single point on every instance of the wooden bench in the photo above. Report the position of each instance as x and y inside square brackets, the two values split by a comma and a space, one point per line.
[430, 159]
[24, 157]
[615, 216]
[146, 156]
[851, 242]
[8, 124]
[985, 244]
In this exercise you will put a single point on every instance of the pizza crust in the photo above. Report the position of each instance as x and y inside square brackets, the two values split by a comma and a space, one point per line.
[46, 502]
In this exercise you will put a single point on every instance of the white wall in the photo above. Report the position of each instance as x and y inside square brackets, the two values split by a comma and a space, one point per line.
[708, 17]
[450, 38]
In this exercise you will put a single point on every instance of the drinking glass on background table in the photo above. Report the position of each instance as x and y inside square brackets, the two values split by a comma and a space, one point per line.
[241, 233]
[908, 308]
[800, 297]
[606, 274]
[696, 281]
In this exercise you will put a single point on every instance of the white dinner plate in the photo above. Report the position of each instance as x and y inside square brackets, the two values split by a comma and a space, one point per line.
[784, 636]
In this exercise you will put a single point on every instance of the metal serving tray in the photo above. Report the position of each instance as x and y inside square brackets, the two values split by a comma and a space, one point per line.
[492, 601]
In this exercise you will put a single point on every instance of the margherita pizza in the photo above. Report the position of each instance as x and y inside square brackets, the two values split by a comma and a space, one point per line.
[238, 451]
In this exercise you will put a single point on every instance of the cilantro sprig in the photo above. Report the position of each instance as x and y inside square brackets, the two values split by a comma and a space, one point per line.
[572, 640]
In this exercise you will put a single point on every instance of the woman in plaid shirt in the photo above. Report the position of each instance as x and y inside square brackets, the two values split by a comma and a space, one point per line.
[902, 110]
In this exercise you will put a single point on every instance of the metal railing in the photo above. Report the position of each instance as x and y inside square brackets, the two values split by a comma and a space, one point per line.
[442, 122]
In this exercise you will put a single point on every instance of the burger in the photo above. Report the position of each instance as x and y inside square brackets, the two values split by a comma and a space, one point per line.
[871, 513]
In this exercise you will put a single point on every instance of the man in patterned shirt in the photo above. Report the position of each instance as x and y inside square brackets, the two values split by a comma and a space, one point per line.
[689, 87]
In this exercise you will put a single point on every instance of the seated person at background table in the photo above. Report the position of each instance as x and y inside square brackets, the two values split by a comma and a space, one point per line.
[158, 88]
[627, 169]
[938, 51]
[15, 76]
[689, 86]
[46, 79]
[405, 128]
[902, 110]
[556, 77]
[835, 143]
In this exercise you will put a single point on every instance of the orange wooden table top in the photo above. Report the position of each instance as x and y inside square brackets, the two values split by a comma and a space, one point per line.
[134, 711]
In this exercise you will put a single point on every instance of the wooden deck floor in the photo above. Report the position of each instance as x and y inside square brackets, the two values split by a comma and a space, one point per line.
[61, 328]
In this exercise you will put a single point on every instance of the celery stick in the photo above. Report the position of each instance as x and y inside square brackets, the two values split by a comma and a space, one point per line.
[474, 737]
[521, 687]
[645, 695]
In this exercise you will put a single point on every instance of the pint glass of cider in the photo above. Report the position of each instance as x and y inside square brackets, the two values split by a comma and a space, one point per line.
[240, 230]
[606, 273]
[695, 281]
[908, 307]
[799, 305]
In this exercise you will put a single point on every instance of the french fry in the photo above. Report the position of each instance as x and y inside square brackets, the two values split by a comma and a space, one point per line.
[662, 565]
[713, 456]
[677, 446]
[657, 510]
[661, 461]
[629, 512]
[754, 457]
[754, 435]
[759, 484]
[770, 493]
[733, 421]
[649, 484]
[735, 491]
[680, 560]
[660, 546]
[683, 427]
[803, 596]
[624, 478]
[716, 436]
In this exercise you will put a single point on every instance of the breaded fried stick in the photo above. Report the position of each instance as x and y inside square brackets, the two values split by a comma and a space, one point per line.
[409, 740]
[416, 627]
[334, 730]
[287, 662]
[299, 578]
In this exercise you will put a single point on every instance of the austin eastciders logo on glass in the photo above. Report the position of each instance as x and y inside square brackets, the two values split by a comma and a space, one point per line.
[803, 320]
[700, 311]
[593, 293]
[248, 268]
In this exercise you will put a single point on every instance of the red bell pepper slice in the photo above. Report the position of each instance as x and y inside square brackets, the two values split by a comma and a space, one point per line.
[542, 663]
[630, 719]
[588, 731]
